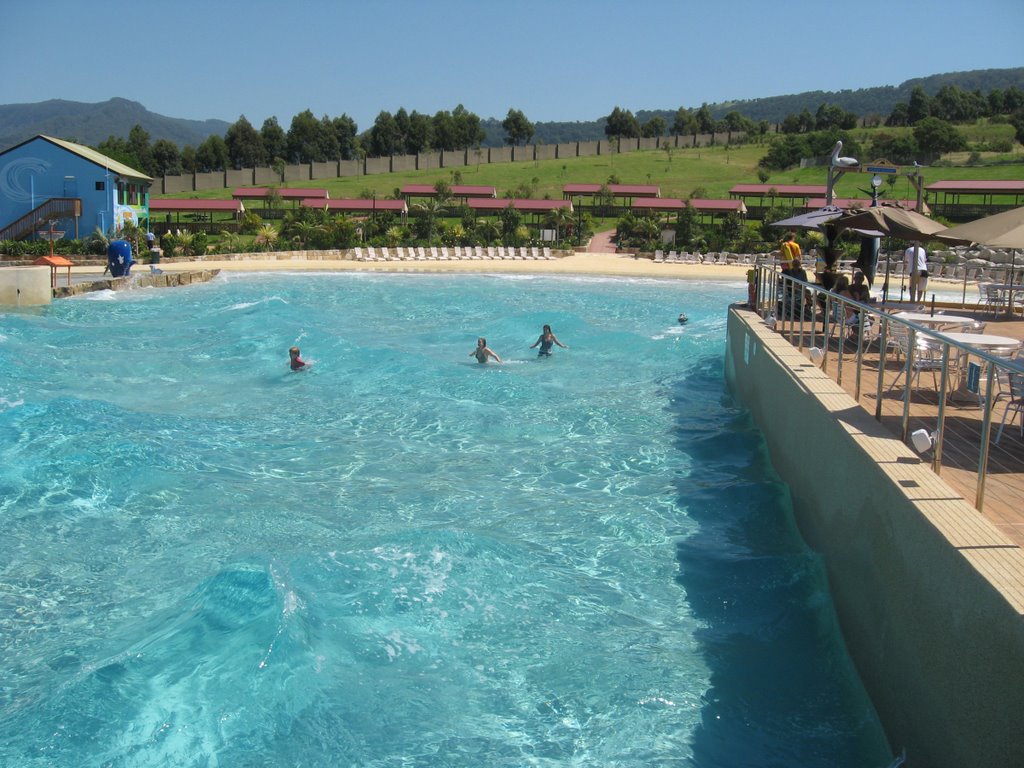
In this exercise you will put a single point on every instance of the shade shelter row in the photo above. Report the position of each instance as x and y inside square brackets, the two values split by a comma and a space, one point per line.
[965, 199]
[704, 207]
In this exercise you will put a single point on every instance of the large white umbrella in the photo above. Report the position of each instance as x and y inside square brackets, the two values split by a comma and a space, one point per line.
[1001, 230]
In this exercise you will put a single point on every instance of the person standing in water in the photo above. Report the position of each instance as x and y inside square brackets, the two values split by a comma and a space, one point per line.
[482, 352]
[546, 340]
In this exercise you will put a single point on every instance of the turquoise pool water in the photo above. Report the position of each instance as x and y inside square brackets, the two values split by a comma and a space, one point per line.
[400, 557]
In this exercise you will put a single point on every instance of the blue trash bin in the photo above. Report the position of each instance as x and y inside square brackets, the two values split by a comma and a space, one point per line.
[119, 258]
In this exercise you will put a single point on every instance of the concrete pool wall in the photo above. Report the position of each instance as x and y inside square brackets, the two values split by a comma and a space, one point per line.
[25, 286]
[929, 594]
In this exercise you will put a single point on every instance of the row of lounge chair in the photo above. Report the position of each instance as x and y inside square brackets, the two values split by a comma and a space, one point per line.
[454, 253]
[672, 257]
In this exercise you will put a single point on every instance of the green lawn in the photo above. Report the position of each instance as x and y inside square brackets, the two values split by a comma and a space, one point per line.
[714, 170]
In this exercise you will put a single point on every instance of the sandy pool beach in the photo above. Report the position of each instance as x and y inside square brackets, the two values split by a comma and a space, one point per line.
[578, 264]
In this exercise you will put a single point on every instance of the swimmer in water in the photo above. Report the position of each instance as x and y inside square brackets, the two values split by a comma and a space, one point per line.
[683, 319]
[296, 362]
[546, 340]
[483, 352]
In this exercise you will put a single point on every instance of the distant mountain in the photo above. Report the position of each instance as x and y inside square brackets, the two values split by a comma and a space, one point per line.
[774, 109]
[92, 123]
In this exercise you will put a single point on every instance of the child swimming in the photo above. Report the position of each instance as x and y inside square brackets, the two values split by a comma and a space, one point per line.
[296, 362]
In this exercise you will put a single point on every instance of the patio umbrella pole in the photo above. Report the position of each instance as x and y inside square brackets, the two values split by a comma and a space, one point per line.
[888, 261]
[1013, 274]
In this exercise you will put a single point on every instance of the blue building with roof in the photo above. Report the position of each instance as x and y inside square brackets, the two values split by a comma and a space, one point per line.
[51, 183]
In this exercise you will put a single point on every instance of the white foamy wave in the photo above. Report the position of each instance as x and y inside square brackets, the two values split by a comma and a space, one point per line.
[396, 644]
[6, 405]
[104, 295]
[676, 331]
[248, 304]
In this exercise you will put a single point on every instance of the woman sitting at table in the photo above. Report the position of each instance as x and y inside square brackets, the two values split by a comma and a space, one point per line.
[859, 290]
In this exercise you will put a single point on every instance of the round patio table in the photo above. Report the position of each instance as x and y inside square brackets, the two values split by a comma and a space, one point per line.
[1001, 346]
[985, 341]
[934, 321]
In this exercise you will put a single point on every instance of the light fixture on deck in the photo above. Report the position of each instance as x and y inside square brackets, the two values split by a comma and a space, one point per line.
[923, 440]
[817, 354]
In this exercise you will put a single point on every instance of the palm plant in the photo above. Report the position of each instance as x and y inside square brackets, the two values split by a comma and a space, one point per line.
[184, 244]
[229, 242]
[561, 219]
[431, 208]
[306, 232]
[394, 236]
[266, 237]
[98, 241]
[488, 230]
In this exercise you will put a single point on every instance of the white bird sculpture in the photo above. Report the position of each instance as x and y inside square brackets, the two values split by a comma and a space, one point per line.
[842, 162]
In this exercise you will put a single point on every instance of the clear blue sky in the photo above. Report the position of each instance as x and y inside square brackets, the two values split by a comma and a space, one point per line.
[553, 59]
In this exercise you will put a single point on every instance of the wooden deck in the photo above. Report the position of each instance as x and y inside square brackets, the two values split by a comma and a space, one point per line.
[1003, 493]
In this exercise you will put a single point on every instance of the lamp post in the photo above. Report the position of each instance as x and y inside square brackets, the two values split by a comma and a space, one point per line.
[869, 246]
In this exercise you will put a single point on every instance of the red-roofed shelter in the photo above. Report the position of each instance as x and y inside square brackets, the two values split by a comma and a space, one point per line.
[359, 205]
[761, 197]
[523, 205]
[966, 200]
[703, 206]
[202, 215]
[622, 191]
[461, 191]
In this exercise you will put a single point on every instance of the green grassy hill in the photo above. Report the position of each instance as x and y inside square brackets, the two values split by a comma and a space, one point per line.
[712, 171]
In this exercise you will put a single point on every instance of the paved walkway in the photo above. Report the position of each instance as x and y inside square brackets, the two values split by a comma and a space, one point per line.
[601, 242]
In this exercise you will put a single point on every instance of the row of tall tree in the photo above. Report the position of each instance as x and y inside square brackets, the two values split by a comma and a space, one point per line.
[307, 140]
[325, 139]
[621, 123]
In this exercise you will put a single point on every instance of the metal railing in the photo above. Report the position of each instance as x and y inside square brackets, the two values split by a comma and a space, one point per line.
[50, 210]
[839, 333]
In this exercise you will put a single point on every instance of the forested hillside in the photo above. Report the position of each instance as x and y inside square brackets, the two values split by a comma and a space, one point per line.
[863, 102]
[92, 123]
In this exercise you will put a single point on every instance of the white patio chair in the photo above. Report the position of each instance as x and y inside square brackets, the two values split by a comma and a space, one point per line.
[1014, 404]
[927, 357]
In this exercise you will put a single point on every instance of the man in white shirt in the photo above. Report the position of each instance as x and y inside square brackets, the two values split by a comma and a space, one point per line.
[915, 260]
